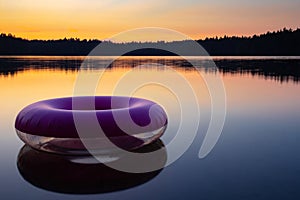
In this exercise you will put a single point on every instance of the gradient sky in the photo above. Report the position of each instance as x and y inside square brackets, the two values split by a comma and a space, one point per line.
[52, 19]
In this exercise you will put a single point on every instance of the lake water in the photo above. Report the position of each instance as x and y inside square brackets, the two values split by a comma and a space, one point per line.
[256, 157]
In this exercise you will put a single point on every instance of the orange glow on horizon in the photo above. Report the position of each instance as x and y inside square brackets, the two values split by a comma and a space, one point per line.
[35, 19]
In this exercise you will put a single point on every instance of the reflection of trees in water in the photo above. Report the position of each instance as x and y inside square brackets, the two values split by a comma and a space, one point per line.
[278, 70]
[11, 66]
[282, 70]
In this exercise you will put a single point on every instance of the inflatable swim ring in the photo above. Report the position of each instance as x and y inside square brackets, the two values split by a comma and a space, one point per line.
[127, 122]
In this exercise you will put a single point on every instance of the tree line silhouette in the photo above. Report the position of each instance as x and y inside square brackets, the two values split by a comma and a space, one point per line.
[284, 42]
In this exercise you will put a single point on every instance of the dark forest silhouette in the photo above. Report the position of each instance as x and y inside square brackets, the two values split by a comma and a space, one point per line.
[285, 42]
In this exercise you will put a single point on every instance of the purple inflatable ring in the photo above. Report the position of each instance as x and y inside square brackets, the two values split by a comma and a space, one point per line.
[49, 125]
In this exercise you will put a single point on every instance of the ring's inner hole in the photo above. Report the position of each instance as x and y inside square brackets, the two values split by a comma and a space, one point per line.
[92, 103]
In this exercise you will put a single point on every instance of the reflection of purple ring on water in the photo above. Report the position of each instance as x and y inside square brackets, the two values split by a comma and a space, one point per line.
[49, 125]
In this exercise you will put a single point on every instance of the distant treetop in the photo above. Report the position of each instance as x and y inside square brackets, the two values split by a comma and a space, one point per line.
[281, 42]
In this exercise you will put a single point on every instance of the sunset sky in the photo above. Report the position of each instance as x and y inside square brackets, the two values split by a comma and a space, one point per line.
[52, 19]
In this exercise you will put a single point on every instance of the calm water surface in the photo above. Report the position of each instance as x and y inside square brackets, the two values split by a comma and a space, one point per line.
[256, 157]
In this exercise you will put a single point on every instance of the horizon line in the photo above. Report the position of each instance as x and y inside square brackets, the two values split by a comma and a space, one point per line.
[106, 40]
